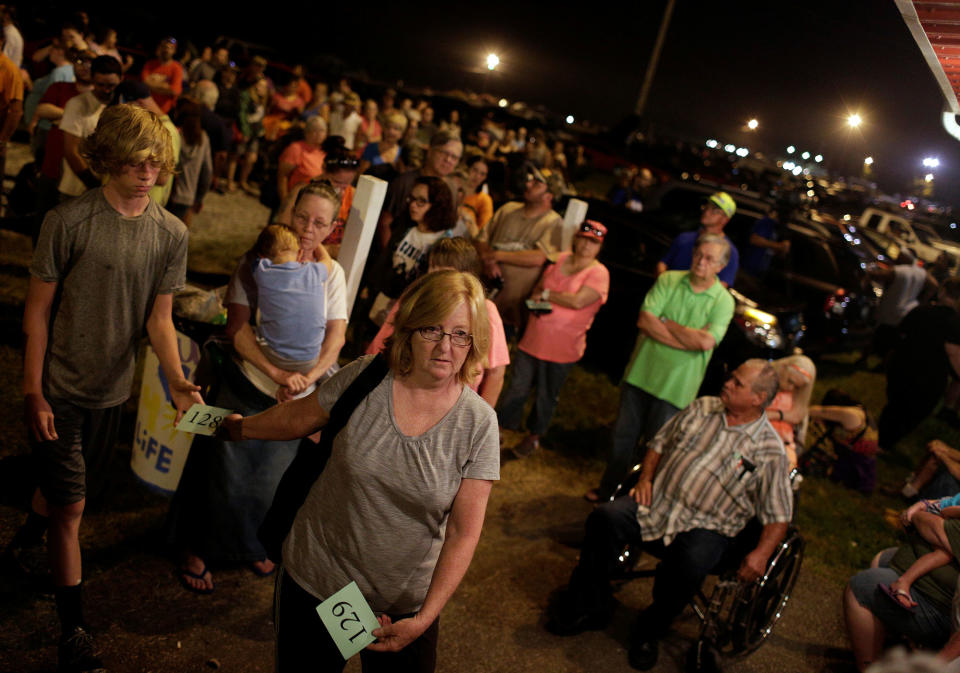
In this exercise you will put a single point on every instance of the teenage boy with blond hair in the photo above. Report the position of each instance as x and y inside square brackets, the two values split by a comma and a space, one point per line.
[105, 268]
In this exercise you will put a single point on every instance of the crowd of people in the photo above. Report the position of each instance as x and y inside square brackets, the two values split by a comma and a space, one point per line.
[379, 472]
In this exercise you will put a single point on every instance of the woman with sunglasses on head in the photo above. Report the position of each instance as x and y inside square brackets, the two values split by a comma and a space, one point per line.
[575, 287]
[399, 505]
[208, 520]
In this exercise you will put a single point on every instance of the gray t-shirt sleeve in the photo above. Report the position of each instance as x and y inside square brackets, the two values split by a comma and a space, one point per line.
[175, 274]
[330, 390]
[52, 250]
[484, 460]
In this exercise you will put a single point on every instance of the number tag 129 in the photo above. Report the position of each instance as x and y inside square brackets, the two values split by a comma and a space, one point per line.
[202, 420]
[349, 620]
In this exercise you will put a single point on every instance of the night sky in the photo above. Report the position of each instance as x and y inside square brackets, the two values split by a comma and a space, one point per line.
[798, 67]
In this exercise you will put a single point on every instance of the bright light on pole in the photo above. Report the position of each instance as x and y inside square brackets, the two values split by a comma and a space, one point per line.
[492, 61]
[503, 102]
[931, 162]
[928, 177]
[854, 120]
[868, 161]
[753, 124]
[729, 147]
[805, 156]
[791, 149]
[818, 158]
[570, 119]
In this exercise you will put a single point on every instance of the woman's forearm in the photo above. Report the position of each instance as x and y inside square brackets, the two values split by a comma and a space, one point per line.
[245, 343]
[290, 420]
[333, 340]
[463, 533]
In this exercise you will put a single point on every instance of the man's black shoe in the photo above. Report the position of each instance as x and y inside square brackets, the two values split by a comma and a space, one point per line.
[643, 654]
[76, 653]
[569, 623]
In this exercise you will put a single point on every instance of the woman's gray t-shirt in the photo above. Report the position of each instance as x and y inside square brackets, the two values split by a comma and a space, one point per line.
[377, 515]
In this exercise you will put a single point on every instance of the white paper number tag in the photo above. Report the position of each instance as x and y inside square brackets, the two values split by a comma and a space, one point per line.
[349, 620]
[202, 420]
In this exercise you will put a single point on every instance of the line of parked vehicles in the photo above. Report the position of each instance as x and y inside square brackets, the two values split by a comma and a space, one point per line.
[818, 297]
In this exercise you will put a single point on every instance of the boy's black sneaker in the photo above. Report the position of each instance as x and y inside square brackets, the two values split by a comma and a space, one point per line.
[76, 653]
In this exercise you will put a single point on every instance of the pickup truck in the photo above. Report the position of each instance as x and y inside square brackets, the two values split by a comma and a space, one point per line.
[899, 227]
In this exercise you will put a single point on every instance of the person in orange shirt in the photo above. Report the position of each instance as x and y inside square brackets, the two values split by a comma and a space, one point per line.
[11, 100]
[164, 75]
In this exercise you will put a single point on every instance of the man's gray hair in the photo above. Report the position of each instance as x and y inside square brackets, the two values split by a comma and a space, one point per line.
[719, 240]
[315, 122]
[767, 382]
[206, 93]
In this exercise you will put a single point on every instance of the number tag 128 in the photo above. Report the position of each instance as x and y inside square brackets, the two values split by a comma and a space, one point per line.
[349, 620]
[202, 419]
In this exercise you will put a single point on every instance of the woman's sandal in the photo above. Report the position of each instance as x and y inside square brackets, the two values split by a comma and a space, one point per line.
[183, 574]
[896, 595]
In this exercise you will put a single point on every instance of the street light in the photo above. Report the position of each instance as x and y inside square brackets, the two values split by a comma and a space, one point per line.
[805, 156]
[791, 149]
[931, 162]
[503, 102]
[753, 124]
[492, 61]
[868, 161]
[854, 120]
[818, 158]
[570, 119]
[928, 177]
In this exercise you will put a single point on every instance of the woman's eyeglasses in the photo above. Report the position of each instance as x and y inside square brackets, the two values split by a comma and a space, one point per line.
[419, 200]
[457, 337]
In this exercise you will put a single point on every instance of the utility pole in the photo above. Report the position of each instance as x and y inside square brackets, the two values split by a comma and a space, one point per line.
[654, 58]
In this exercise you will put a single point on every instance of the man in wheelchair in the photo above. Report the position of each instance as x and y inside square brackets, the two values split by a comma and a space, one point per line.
[710, 470]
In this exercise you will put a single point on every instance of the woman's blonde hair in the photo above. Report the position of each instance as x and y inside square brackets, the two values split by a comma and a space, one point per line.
[428, 301]
[801, 396]
[397, 118]
[127, 134]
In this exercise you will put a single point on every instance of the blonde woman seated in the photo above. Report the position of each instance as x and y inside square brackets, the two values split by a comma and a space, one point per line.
[788, 411]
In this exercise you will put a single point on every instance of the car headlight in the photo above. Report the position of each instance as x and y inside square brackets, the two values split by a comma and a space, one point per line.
[761, 327]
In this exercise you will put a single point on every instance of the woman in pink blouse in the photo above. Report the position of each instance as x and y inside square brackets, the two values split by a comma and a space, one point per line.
[576, 287]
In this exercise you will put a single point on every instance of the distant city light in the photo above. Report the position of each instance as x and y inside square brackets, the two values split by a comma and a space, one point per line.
[854, 120]
[788, 165]
[753, 124]
[928, 177]
[791, 149]
[503, 102]
[818, 158]
[931, 162]
[797, 170]
[742, 151]
[868, 161]
[846, 218]
[569, 119]
[729, 147]
[810, 192]
[953, 225]
[805, 156]
[492, 61]
[712, 144]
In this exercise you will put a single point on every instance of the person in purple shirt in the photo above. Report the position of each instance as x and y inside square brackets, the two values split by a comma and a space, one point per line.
[717, 211]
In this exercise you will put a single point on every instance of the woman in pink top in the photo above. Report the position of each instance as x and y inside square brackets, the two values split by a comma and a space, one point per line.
[576, 287]
[788, 411]
[460, 255]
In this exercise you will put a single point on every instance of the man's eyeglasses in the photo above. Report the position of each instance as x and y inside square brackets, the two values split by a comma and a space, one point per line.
[588, 229]
[420, 201]
[455, 158]
[457, 338]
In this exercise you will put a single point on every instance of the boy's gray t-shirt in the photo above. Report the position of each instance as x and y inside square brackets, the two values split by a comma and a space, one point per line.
[377, 514]
[109, 269]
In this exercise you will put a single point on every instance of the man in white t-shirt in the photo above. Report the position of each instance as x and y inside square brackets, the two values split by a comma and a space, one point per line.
[80, 117]
[345, 120]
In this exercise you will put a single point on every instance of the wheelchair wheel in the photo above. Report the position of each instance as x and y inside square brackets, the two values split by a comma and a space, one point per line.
[761, 605]
[703, 658]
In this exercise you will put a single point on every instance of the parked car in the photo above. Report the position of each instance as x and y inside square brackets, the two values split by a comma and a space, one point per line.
[762, 326]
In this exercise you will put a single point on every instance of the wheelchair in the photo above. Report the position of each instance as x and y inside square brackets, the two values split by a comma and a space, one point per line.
[736, 618]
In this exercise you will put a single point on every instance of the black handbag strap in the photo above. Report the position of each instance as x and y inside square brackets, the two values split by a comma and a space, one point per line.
[305, 469]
